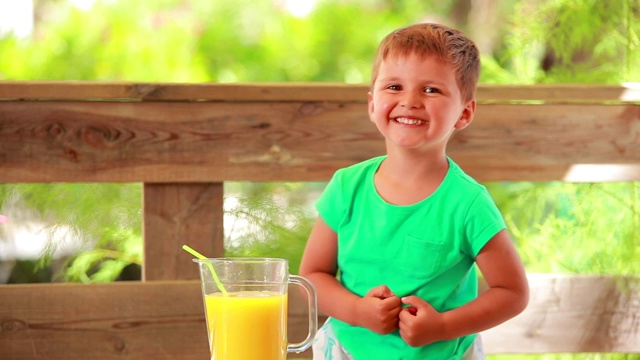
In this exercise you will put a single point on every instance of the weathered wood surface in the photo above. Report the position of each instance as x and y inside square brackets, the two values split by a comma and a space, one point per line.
[180, 142]
[165, 320]
[151, 320]
[573, 314]
[177, 214]
[169, 142]
[317, 91]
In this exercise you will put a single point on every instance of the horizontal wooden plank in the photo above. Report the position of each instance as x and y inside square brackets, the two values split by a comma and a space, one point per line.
[165, 320]
[316, 91]
[128, 320]
[153, 320]
[588, 143]
[161, 142]
[573, 314]
[181, 142]
[113, 91]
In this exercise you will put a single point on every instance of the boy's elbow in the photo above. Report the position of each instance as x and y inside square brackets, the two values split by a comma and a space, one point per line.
[307, 268]
[307, 272]
[522, 299]
[304, 272]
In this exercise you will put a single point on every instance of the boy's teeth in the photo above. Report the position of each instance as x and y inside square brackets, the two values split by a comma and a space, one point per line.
[409, 121]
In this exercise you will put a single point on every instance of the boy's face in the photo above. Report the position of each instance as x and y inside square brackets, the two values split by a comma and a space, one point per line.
[416, 103]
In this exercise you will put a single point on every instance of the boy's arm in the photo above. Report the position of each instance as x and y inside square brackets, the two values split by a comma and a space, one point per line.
[377, 311]
[507, 296]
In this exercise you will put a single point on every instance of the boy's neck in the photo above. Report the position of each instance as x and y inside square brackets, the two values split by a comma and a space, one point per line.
[419, 164]
[406, 180]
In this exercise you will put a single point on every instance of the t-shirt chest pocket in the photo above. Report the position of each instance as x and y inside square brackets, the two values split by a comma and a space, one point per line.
[421, 257]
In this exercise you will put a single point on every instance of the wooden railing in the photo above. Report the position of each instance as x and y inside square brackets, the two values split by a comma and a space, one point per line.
[184, 141]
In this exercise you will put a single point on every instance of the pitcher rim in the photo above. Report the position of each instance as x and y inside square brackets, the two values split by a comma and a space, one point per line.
[246, 259]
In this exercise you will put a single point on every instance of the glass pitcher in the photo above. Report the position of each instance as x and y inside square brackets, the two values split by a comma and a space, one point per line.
[245, 302]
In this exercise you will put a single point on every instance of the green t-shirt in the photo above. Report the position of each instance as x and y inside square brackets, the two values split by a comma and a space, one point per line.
[425, 249]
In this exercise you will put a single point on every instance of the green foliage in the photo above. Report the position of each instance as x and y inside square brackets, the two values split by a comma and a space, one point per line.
[106, 261]
[223, 41]
[269, 219]
[574, 228]
[585, 41]
[104, 216]
[568, 41]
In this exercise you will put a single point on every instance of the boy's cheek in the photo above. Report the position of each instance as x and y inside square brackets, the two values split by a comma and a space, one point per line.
[382, 109]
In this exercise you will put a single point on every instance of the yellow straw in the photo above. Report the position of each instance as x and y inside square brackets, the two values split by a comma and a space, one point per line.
[213, 272]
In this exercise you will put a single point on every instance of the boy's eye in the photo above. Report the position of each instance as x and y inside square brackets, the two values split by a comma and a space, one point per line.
[430, 90]
[394, 87]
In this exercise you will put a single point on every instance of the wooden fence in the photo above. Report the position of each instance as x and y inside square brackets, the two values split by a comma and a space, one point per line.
[183, 141]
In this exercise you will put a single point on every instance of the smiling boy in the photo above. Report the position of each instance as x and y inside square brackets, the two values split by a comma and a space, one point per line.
[394, 251]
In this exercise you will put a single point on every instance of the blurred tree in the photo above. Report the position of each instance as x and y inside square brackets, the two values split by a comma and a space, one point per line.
[567, 41]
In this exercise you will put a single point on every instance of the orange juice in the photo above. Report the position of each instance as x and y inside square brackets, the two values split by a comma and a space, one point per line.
[247, 325]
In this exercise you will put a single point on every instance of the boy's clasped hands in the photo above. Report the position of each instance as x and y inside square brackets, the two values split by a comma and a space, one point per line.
[383, 312]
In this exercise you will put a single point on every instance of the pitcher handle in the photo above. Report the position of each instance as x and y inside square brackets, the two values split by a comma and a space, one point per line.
[313, 314]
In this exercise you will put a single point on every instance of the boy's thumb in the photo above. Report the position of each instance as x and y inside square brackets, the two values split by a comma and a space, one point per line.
[411, 300]
[414, 303]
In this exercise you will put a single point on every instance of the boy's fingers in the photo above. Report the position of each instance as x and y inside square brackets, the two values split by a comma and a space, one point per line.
[386, 292]
[381, 292]
[414, 302]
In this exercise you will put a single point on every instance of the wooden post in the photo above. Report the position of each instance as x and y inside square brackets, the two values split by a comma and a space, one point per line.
[177, 214]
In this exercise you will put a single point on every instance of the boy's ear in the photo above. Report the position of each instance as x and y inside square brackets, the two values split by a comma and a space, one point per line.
[370, 104]
[467, 115]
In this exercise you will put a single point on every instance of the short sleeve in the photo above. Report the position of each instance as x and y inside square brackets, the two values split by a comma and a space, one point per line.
[483, 222]
[330, 204]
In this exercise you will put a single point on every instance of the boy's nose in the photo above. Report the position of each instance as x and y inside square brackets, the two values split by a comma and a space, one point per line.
[410, 100]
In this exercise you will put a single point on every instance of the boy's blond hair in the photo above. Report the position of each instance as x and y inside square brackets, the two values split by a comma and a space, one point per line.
[448, 45]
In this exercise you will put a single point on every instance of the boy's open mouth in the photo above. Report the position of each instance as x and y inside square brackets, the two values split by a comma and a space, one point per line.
[408, 121]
